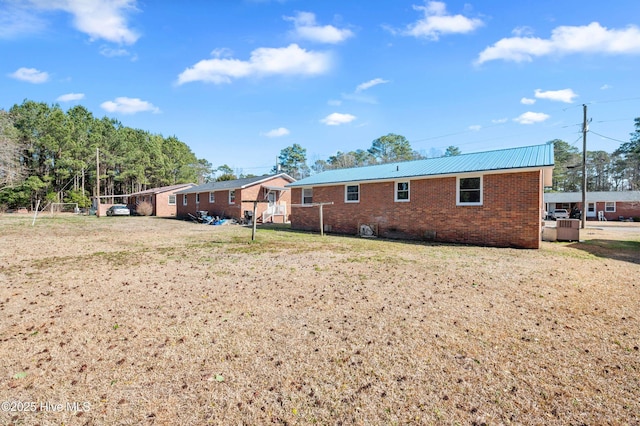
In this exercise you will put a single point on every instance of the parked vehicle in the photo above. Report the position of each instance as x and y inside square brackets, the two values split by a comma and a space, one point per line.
[118, 210]
[559, 214]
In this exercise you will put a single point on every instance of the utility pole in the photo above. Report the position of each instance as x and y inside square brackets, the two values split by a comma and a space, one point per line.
[97, 182]
[585, 129]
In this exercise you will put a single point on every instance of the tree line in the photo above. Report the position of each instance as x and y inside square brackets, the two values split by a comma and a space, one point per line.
[51, 155]
[48, 154]
[617, 171]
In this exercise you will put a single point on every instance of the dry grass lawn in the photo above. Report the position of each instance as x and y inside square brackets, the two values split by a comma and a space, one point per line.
[144, 321]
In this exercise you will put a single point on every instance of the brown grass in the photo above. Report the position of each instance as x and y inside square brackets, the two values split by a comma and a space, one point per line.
[164, 322]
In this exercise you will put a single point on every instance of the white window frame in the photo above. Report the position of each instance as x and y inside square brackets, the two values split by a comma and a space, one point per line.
[232, 196]
[474, 203]
[171, 197]
[397, 190]
[346, 193]
[610, 207]
[184, 199]
[305, 197]
[212, 197]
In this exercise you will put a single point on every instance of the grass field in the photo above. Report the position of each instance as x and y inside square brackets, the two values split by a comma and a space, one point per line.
[161, 322]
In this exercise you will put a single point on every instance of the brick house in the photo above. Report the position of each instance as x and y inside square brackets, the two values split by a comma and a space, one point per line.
[492, 198]
[233, 198]
[607, 205]
[162, 199]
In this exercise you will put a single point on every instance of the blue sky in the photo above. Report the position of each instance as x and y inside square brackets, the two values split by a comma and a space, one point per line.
[239, 80]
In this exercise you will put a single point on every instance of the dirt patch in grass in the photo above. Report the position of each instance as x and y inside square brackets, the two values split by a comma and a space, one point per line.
[148, 321]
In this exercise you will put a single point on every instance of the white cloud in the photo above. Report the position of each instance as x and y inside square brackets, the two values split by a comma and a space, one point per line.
[522, 31]
[564, 95]
[337, 118]
[290, 60]
[531, 117]
[17, 19]
[112, 53]
[100, 19]
[70, 97]
[527, 101]
[564, 40]
[276, 133]
[605, 87]
[307, 29]
[369, 84]
[129, 106]
[437, 22]
[499, 120]
[30, 75]
[475, 127]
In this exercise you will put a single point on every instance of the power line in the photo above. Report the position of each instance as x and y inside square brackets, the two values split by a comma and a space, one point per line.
[607, 137]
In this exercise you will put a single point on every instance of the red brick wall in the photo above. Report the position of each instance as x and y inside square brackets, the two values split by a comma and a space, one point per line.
[221, 207]
[509, 217]
[162, 207]
[625, 209]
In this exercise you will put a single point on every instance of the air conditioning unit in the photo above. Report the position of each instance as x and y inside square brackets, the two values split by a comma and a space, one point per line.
[368, 229]
[568, 229]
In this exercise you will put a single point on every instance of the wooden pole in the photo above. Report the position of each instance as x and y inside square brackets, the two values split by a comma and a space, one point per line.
[36, 212]
[255, 220]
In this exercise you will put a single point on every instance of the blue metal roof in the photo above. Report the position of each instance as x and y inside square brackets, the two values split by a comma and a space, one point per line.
[503, 159]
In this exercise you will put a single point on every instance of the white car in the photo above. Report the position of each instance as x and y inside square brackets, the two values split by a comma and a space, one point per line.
[560, 214]
[118, 210]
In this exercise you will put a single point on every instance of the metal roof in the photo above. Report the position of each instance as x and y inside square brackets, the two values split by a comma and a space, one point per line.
[233, 184]
[592, 197]
[162, 189]
[503, 159]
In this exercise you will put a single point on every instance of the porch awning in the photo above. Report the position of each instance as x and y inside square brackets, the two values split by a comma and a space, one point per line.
[275, 188]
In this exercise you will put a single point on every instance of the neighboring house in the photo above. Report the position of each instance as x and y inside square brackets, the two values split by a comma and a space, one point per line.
[163, 200]
[490, 198]
[610, 205]
[234, 198]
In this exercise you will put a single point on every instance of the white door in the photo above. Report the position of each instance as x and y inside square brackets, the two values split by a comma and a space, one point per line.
[271, 197]
[591, 209]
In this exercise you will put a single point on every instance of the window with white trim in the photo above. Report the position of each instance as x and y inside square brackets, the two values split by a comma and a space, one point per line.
[610, 206]
[469, 191]
[232, 196]
[307, 195]
[352, 193]
[184, 199]
[172, 200]
[212, 197]
[402, 191]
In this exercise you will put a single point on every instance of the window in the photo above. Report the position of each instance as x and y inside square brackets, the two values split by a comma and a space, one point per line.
[610, 206]
[402, 191]
[212, 197]
[172, 200]
[591, 207]
[232, 196]
[352, 193]
[184, 199]
[198, 198]
[307, 195]
[469, 191]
